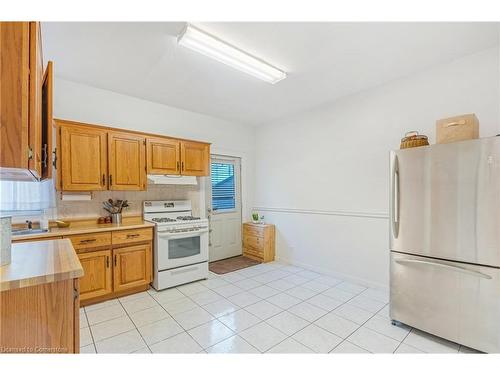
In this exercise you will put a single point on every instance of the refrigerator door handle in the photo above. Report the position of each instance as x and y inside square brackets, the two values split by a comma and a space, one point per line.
[443, 265]
[395, 198]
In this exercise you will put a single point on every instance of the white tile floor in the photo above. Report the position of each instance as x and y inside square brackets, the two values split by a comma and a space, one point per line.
[272, 307]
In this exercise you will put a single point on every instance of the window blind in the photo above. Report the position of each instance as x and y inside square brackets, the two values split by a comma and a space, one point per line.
[223, 187]
[21, 198]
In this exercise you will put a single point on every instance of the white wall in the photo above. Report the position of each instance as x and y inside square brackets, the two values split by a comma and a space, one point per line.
[78, 102]
[335, 159]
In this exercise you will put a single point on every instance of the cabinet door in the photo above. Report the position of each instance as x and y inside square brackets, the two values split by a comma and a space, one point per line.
[47, 91]
[132, 266]
[14, 94]
[127, 169]
[96, 279]
[83, 158]
[163, 156]
[195, 158]
[35, 100]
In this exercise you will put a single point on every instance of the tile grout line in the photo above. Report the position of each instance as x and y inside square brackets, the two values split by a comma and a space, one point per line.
[404, 338]
[345, 340]
[135, 325]
[363, 325]
[127, 315]
[91, 335]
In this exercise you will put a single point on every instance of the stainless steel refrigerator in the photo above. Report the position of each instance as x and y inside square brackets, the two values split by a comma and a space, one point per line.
[445, 241]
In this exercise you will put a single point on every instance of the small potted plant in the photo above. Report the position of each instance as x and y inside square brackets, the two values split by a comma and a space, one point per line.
[255, 217]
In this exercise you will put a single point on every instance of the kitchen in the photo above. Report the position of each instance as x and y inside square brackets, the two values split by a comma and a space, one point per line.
[199, 206]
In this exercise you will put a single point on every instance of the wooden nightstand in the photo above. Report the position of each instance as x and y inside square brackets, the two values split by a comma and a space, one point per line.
[259, 241]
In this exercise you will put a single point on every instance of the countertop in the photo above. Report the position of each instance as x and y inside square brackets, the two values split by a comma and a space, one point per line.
[40, 262]
[83, 227]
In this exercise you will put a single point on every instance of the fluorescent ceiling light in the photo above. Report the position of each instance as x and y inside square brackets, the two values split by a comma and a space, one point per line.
[208, 45]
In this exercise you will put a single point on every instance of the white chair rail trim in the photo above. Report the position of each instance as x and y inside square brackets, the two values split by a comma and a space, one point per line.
[370, 214]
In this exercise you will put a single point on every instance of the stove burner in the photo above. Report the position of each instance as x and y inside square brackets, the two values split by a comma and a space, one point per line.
[186, 218]
[163, 220]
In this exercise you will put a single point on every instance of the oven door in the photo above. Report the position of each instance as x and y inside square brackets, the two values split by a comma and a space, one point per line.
[177, 250]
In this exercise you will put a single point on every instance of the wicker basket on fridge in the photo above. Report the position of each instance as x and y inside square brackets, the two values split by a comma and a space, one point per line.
[413, 139]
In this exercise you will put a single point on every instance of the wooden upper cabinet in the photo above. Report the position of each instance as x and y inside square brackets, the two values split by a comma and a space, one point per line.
[195, 158]
[132, 266]
[35, 99]
[83, 158]
[21, 113]
[126, 157]
[92, 157]
[163, 156]
[47, 99]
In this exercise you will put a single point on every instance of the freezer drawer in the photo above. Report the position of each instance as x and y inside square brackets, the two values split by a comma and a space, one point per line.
[456, 301]
[445, 201]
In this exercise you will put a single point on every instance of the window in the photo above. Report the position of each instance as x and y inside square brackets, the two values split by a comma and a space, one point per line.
[21, 198]
[223, 186]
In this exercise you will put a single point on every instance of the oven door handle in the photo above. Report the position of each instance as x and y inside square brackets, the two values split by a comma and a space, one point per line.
[174, 236]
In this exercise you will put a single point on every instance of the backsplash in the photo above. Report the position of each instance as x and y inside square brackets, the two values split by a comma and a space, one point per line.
[93, 208]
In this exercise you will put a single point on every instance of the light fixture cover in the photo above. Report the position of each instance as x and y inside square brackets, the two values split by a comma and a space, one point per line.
[208, 45]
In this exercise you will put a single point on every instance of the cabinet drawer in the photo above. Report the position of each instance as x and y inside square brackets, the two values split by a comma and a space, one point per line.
[89, 241]
[250, 230]
[132, 235]
[254, 241]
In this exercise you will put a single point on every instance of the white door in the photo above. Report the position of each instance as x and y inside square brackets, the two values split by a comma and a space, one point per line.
[224, 207]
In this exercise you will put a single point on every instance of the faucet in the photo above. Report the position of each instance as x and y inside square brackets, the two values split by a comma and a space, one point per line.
[29, 224]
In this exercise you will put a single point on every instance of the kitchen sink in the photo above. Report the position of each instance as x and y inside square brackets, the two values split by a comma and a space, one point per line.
[23, 232]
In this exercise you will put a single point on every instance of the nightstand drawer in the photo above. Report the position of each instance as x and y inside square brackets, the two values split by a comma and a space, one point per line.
[253, 230]
[254, 241]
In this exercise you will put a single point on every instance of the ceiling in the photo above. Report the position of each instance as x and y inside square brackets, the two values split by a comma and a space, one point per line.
[324, 61]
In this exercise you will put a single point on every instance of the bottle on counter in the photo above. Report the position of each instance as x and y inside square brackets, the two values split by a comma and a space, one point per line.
[44, 221]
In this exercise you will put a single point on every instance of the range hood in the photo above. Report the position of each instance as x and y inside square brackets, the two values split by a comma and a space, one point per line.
[166, 179]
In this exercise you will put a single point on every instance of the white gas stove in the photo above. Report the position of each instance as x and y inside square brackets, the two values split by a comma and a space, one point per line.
[181, 243]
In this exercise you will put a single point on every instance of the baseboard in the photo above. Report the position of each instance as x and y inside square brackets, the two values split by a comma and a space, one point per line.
[329, 272]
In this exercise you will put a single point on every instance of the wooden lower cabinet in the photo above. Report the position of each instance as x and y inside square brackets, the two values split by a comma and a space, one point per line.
[114, 263]
[132, 266]
[97, 274]
[40, 319]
